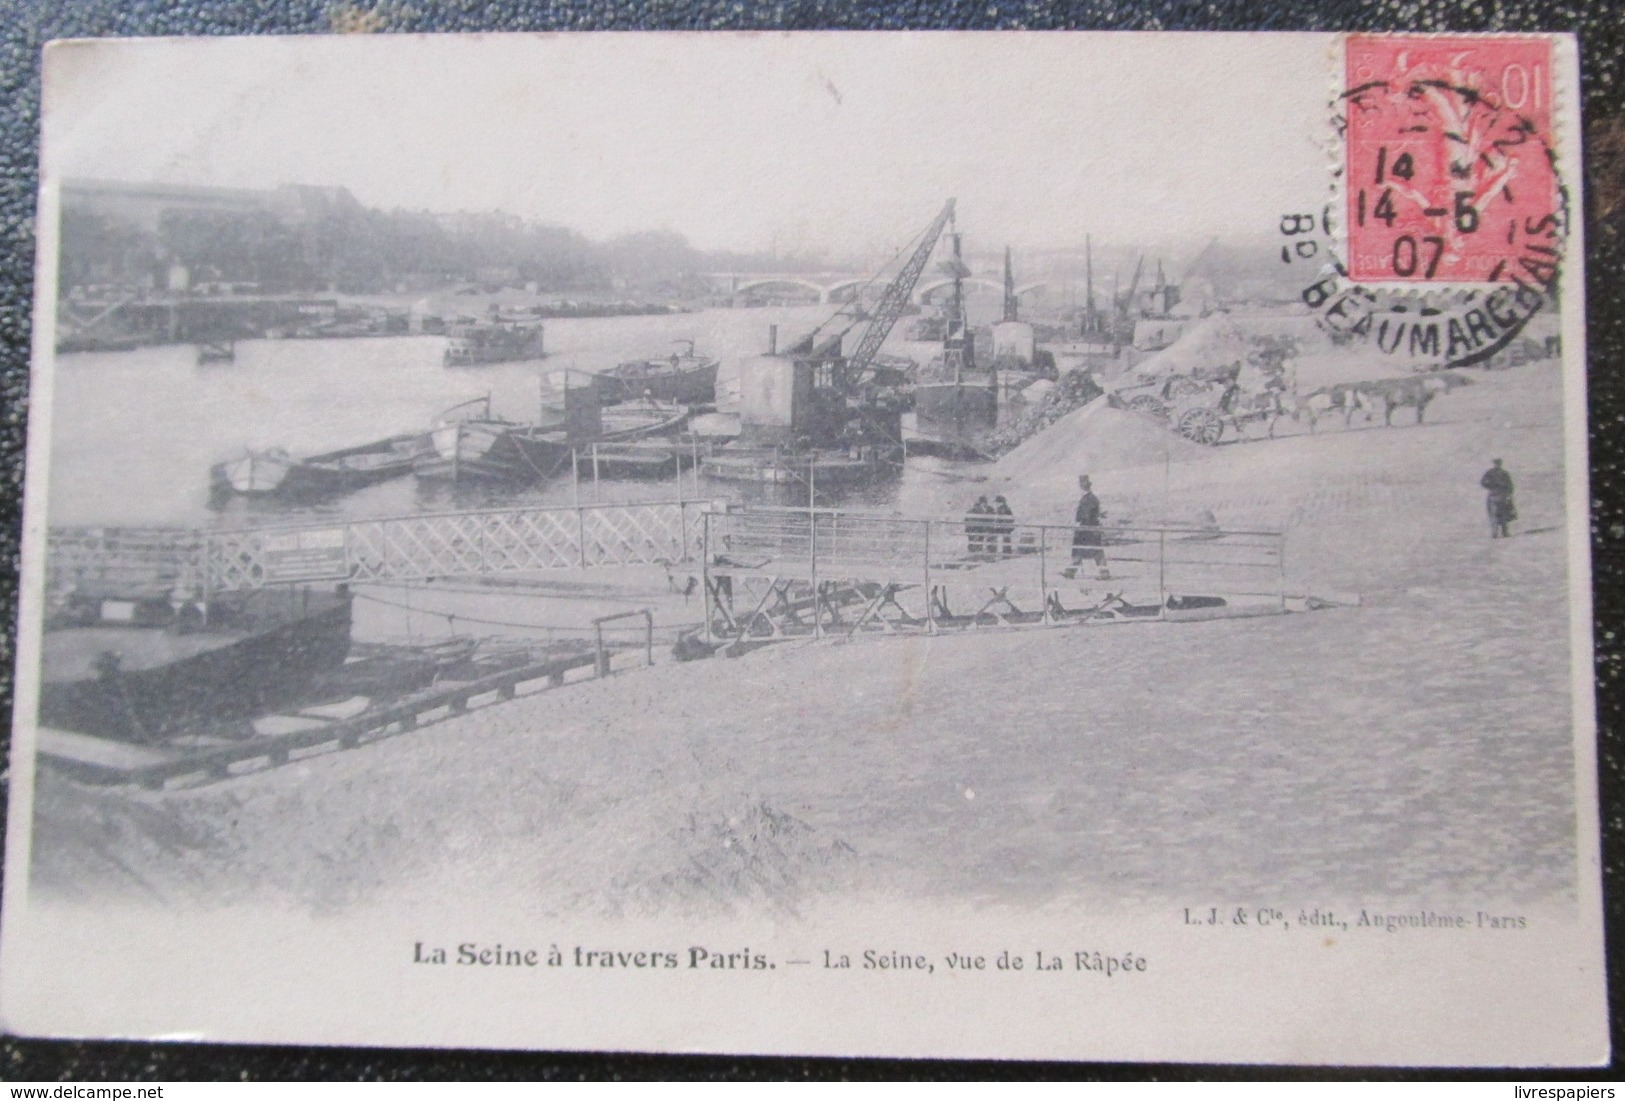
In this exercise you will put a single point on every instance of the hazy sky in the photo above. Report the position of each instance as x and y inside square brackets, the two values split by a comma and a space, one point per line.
[846, 142]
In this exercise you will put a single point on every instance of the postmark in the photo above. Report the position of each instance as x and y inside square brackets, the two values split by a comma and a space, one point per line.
[1444, 235]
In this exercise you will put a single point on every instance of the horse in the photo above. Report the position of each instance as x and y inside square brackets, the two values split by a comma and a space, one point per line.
[1344, 397]
[1416, 392]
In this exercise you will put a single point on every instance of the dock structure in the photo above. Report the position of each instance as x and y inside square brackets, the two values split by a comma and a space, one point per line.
[101, 761]
[769, 574]
[772, 573]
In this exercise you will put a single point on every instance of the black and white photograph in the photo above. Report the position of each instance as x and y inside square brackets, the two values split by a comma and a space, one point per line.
[959, 545]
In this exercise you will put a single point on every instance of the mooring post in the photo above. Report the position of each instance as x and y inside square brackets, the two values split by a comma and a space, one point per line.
[649, 635]
[600, 659]
[1280, 558]
[1162, 573]
[705, 571]
[812, 559]
[1043, 571]
[930, 595]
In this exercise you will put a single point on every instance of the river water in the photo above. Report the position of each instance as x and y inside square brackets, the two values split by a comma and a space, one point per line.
[135, 432]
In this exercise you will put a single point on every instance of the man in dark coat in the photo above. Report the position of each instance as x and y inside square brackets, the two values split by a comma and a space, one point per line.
[1006, 525]
[1498, 484]
[1086, 535]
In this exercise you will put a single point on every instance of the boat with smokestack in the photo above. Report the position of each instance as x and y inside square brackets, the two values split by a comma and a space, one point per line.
[477, 343]
[956, 399]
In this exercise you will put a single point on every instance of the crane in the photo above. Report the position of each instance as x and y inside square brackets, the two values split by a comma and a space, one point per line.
[825, 347]
[811, 395]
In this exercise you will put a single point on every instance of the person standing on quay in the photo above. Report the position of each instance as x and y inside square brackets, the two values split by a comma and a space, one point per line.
[1498, 483]
[976, 525]
[1006, 521]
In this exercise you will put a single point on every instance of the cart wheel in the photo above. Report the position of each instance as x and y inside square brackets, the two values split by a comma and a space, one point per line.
[1148, 403]
[1201, 425]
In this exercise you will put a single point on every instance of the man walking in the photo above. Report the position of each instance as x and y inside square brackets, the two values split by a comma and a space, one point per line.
[1086, 533]
[1498, 484]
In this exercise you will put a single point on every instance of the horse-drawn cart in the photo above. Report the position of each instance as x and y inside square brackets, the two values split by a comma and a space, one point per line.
[1202, 410]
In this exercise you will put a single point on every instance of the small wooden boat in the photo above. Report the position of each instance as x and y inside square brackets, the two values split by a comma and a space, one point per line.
[684, 378]
[640, 419]
[470, 443]
[216, 351]
[647, 458]
[276, 472]
[820, 467]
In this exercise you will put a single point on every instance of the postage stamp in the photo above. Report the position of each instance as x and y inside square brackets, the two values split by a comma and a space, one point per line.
[730, 543]
[1450, 171]
[1446, 234]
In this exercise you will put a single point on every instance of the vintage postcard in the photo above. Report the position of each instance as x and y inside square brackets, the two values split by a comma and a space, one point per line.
[1054, 546]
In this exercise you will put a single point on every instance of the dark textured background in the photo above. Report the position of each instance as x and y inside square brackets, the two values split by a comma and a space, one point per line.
[25, 26]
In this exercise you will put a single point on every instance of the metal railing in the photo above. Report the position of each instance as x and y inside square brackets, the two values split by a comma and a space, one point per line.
[775, 568]
[402, 548]
[601, 652]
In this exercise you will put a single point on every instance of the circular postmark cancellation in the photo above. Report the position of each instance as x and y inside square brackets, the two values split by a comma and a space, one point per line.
[1446, 235]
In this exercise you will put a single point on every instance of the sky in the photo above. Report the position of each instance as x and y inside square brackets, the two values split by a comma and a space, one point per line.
[842, 143]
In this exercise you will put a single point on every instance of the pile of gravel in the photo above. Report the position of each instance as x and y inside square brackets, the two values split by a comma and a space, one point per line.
[1074, 390]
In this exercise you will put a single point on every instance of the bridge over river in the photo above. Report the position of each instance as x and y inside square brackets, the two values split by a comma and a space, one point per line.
[843, 286]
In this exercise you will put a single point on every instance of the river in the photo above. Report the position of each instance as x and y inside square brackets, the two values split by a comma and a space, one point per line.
[135, 432]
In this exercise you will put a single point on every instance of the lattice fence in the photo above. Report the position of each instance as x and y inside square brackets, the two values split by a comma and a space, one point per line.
[407, 548]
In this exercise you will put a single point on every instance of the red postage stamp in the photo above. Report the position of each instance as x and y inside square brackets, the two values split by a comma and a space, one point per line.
[1448, 169]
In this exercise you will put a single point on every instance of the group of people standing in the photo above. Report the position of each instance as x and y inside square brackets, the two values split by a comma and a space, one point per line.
[990, 528]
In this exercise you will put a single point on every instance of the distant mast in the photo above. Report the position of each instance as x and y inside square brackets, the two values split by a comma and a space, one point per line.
[1009, 288]
[957, 350]
[1089, 322]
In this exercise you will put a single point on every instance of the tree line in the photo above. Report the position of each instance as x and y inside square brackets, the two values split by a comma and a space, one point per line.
[356, 249]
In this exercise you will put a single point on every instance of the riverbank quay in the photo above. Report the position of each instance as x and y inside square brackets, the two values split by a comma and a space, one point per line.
[1419, 742]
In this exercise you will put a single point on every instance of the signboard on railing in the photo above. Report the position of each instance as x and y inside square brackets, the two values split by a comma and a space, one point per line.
[315, 554]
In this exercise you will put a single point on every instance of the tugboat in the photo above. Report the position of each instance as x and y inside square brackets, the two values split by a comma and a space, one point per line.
[470, 345]
[685, 378]
[146, 666]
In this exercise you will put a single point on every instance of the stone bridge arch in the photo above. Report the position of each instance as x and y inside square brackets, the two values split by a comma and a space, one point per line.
[784, 281]
[923, 293]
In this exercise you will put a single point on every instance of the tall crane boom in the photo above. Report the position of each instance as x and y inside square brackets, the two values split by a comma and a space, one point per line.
[896, 295]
